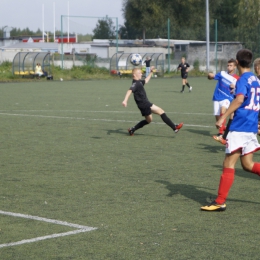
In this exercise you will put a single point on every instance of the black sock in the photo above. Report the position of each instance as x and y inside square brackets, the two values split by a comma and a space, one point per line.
[227, 129]
[188, 84]
[183, 86]
[140, 125]
[168, 121]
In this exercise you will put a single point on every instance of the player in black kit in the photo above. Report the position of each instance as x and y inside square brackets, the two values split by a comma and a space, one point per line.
[184, 67]
[145, 106]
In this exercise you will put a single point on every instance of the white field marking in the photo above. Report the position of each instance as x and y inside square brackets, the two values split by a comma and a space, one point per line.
[119, 112]
[80, 228]
[91, 119]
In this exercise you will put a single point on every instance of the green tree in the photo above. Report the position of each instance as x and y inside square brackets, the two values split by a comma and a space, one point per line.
[143, 15]
[104, 29]
[249, 24]
[126, 31]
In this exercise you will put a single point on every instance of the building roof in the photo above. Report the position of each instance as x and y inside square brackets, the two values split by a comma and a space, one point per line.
[28, 46]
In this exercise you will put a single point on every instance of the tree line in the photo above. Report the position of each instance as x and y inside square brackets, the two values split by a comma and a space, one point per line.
[237, 20]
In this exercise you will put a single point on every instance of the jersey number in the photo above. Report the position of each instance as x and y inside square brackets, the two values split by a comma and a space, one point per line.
[254, 97]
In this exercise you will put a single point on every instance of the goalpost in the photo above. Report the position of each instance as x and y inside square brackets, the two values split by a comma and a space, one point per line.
[69, 21]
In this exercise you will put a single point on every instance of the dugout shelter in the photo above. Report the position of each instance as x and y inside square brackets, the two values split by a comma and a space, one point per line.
[24, 63]
[120, 63]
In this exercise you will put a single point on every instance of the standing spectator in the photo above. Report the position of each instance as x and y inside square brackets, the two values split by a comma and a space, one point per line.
[147, 64]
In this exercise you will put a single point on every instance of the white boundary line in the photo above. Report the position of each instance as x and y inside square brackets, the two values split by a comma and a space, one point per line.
[80, 228]
[93, 119]
[93, 111]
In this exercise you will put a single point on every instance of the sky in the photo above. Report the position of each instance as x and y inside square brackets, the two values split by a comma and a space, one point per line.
[40, 14]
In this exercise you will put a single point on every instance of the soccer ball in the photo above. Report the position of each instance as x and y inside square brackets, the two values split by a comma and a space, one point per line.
[136, 59]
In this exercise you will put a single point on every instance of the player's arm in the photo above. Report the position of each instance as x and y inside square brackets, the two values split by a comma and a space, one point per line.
[150, 75]
[211, 75]
[128, 94]
[235, 104]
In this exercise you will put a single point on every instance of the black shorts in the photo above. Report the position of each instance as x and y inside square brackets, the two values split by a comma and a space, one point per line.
[184, 75]
[146, 110]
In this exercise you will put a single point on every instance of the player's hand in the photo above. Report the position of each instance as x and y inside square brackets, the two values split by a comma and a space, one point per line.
[124, 103]
[152, 68]
[210, 75]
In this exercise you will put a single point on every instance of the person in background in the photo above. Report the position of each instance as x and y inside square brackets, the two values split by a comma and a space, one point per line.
[147, 65]
[184, 67]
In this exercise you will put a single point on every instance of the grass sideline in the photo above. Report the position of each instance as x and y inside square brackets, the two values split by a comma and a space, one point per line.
[66, 155]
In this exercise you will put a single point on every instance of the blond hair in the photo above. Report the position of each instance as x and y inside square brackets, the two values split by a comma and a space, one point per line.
[257, 62]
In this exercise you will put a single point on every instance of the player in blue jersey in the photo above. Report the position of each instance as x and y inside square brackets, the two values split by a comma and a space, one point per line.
[257, 71]
[223, 93]
[241, 140]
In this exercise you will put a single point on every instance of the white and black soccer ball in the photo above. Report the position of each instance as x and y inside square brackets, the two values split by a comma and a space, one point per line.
[136, 59]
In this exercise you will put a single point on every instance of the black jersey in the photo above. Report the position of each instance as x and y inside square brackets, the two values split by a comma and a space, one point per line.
[139, 93]
[147, 62]
[183, 67]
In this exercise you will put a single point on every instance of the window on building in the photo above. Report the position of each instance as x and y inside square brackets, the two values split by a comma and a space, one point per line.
[179, 47]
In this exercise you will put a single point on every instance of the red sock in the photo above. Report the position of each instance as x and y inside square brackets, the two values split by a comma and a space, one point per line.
[256, 169]
[226, 181]
[222, 128]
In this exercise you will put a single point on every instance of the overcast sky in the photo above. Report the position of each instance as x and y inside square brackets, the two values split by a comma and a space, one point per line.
[29, 13]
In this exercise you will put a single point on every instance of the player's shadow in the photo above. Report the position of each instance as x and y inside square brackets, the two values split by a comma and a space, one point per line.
[124, 132]
[117, 131]
[205, 133]
[212, 148]
[194, 193]
[189, 191]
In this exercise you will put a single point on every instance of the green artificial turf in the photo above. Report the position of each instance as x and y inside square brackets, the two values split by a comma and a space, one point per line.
[66, 155]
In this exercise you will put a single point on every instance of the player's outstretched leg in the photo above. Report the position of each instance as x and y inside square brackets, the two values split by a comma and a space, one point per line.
[168, 121]
[139, 125]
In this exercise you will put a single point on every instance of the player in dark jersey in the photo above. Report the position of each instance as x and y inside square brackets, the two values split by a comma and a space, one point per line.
[242, 142]
[147, 66]
[144, 105]
[184, 67]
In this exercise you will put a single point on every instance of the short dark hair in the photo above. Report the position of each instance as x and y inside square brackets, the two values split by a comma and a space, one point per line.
[244, 58]
[232, 61]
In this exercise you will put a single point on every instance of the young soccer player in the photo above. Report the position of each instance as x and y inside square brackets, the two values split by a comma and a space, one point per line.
[257, 71]
[142, 102]
[184, 67]
[223, 94]
[241, 140]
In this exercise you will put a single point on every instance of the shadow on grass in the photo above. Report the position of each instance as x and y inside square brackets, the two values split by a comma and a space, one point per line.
[189, 191]
[118, 131]
[205, 133]
[194, 193]
[139, 133]
[213, 148]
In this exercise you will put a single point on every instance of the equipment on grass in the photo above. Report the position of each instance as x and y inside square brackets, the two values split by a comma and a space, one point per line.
[136, 59]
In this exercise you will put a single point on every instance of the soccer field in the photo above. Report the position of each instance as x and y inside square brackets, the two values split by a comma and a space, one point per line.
[75, 185]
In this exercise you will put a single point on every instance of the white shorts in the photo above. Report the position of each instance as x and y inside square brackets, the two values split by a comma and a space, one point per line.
[219, 104]
[244, 141]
